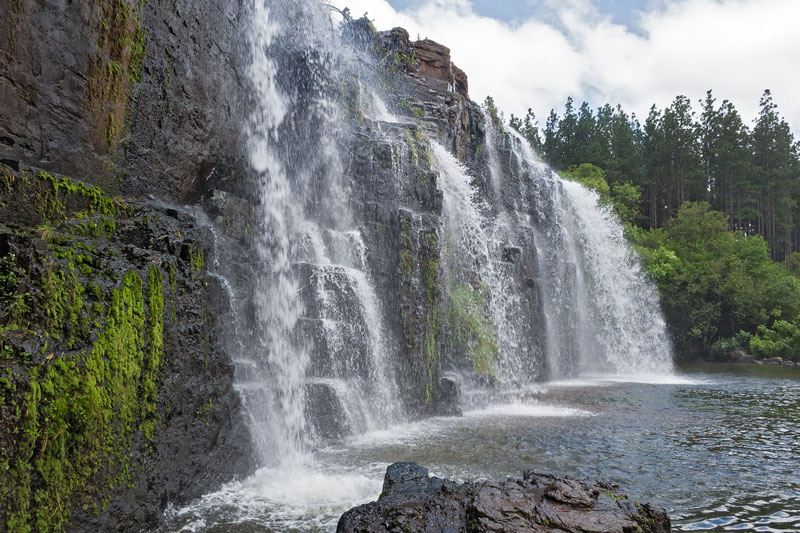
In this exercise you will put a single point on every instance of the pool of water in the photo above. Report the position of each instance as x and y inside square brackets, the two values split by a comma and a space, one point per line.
[717, 445]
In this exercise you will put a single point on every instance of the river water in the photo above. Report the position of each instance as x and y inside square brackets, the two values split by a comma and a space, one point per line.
[717, 445]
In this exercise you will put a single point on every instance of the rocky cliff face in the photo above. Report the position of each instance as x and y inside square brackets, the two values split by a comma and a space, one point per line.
[138, 97]
[117, 393]
[116, 396]
[398, 198]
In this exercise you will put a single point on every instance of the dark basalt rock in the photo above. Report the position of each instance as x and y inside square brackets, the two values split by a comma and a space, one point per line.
[135, 97]
[414, 501]
[59, 237]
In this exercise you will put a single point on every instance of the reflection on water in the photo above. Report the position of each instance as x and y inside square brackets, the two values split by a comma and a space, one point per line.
[718, 446]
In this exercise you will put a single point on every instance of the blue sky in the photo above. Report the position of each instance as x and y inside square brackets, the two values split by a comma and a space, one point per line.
[536, 53]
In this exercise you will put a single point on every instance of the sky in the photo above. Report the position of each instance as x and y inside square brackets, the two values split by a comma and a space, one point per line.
[535, 53]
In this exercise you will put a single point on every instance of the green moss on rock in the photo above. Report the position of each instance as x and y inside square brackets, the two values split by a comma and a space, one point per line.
[81, 409]
[71, 410]
[471, 332]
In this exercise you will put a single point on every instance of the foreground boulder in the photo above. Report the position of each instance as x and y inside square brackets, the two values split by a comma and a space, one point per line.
[414, 501]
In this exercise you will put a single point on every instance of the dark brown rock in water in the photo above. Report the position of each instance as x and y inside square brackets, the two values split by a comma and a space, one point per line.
[414, 501]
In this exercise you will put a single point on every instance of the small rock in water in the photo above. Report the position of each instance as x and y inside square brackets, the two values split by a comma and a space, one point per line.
[414, 501]
[788, 363]
[773, 361]
[740, 356]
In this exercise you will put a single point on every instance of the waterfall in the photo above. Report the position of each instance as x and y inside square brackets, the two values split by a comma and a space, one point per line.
[598, 311]
[479, 282]
[318, 364]
[620, 303]
[380, 264]
[272, 384]
[601, 313]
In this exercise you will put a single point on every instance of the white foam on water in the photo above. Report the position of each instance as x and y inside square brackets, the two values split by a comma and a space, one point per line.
[528, 410]
[605, 380]
[418, 433]
[408, 433]
[646, 378]
[304, 498]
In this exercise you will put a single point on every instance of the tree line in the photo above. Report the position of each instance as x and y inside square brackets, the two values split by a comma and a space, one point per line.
[751, 174]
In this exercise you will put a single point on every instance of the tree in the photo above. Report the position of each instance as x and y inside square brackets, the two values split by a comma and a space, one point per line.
[567, 135]
[625, 158]
[684, 180]
[775, 167]
[655, 163]
[583, 137]
[529, 129]
[551, 146]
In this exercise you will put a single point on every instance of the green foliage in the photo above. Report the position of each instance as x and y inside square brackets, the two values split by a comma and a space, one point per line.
[155, 351]
[714, 282]
[472, 333]
[14, 305]
[625, 197]
[780, 340]
[792, 263]
[196, 259]
[724, 346]
[589, 176]
[750, 175]
[622, 197]
[403, 62]
[86, 210]
[528, 128]
[497, 116]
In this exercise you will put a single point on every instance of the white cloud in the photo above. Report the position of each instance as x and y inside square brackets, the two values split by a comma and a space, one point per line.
[738, 48]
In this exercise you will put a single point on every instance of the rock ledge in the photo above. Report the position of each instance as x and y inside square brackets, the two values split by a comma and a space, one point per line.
[414, 501]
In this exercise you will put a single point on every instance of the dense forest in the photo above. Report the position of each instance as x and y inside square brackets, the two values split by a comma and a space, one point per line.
[710, 203]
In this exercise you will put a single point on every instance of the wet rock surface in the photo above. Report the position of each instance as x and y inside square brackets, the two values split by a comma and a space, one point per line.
[81, 274]
[412, 500]
[135, 97]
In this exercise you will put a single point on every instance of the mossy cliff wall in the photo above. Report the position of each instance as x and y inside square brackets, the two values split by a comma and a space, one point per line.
[116, 395]
[114, 399]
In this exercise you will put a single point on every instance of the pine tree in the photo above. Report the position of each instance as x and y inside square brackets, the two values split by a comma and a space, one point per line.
[529, 129]
[685, 180]
[567, 131]
[624, 162]
[583, 137]
[551, 146]
[775, 169]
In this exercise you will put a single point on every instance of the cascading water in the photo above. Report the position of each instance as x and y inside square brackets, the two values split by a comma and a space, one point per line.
[272, 386]
[597, 307]
[534, 278]
[321, 345]
[600, 311]
[479, 282]
[619, 300]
